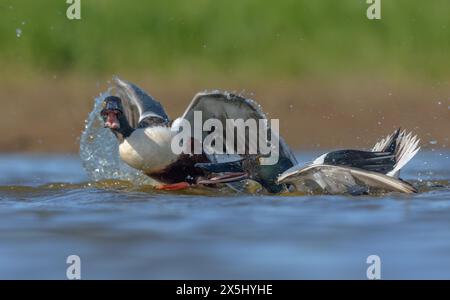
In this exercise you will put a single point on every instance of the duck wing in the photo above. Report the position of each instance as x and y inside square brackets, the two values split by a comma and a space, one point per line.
[406, 147]
[381, 162]
[388, 156]
[224, 106]
[341, 180]
[140, 108]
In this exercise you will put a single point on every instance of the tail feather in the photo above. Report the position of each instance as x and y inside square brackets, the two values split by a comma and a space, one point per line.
[404, 146]
[407, 148]
[387, 144]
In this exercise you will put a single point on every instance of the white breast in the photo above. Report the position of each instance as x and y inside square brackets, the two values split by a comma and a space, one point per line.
[148, 149]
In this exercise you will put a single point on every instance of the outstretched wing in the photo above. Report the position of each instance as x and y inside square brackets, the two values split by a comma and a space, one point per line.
[387, 144]
[341, 180]
[224, 106]
[388, 156]
[138, 105]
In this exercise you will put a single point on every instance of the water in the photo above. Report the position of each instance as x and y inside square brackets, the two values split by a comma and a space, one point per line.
[49, 209]
[108, 214]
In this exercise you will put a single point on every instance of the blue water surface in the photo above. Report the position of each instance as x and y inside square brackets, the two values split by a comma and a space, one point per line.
[49, 210]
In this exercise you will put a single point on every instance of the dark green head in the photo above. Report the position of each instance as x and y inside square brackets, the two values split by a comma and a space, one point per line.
[114, 117]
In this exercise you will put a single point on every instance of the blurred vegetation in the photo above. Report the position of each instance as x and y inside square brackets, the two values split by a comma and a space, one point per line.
[258, 38]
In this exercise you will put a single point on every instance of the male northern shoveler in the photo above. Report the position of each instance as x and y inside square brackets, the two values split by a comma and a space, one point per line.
[145, 134]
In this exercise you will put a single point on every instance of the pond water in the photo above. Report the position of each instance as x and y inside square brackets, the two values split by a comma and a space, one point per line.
[49, 210]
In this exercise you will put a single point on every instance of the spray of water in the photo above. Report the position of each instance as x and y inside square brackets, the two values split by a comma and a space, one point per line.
[99, 151]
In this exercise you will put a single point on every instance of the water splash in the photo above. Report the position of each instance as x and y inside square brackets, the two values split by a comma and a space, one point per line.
[99, 151]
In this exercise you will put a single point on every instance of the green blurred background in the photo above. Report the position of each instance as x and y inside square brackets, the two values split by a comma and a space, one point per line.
[252, 37]
[323, 61]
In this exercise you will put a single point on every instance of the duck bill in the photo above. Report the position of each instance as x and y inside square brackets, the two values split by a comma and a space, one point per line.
[224, 178]
[112, 121]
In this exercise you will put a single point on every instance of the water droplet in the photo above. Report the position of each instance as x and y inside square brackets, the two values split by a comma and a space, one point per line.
[18, 32]
[99, 151]
[433, 142]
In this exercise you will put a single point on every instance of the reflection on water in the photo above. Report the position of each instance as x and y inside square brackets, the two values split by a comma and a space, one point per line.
[49, 210]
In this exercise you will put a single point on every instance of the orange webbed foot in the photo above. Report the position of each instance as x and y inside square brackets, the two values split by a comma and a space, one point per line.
[173, 187]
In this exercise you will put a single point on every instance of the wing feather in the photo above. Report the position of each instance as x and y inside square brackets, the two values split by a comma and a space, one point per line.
[222, 106]
[341, 180]
[138, 104]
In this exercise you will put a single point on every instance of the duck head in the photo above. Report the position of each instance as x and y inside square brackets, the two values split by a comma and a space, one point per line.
[114, 117]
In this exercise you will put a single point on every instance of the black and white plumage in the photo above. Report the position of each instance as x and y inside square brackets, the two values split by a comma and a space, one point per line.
[139, 106]
[222, 106]
[145, 133]
[358, 172]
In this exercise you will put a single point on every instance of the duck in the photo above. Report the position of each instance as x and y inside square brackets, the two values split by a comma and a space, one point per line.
[145, 134]
[357, 172]
[348, 171]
